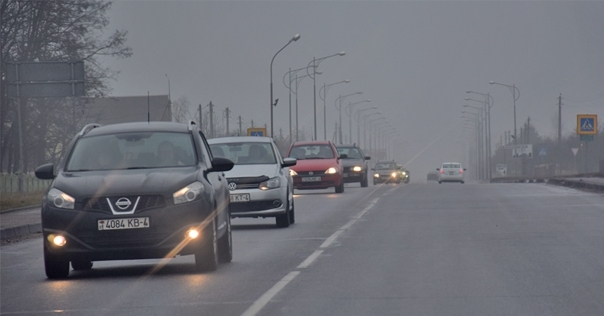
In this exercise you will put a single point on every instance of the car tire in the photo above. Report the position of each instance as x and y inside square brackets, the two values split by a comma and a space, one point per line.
[364, 182]
[79, 265]
[282, 220]
[340, 188]
[225, 244]
[55, 266]
[439, 182]
[206, 257]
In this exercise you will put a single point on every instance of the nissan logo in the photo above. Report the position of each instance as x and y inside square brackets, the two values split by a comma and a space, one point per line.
[123, 203]
[232, 186]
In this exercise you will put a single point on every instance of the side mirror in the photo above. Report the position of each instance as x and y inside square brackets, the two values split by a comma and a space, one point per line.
[45, 172]
[288, 162]
[437, 169]
[221, 164]
[367, 158]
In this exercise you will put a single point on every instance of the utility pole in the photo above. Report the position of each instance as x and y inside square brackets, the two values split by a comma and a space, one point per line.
[200, 117]
[239, 125]
[211, 120]
[227, 112]
[560, 119]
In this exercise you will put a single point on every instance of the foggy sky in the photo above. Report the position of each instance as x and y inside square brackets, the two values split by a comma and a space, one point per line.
[414, 60]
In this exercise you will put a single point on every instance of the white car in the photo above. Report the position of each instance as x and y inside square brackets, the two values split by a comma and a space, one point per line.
[260, 183]
[450, 172]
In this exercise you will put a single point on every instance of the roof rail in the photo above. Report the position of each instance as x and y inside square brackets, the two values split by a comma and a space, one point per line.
[191, 123]
[88, 128]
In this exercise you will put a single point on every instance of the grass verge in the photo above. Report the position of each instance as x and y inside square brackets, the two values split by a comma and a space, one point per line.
[11, 201]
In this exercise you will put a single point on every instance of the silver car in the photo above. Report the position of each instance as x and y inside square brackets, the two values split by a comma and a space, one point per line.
[260, 183]
[450, 172]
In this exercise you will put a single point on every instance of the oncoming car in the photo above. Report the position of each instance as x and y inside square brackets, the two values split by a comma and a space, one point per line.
[260, 183]
[355, 164]
[386, 172]
[319, 166]
[135, 191]
[450, 172]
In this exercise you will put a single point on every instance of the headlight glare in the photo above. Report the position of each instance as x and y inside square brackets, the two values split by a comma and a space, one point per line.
[376, 175]
[270, 184]
[331, 170]
[188, 193]
[60, 199]
[292, 172]
[357, 168]
[393, 174]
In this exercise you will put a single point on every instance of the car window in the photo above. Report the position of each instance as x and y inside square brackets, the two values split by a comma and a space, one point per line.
[385, 166]
[131, 151]
[312, 152]
[351, 152]
[245, 153]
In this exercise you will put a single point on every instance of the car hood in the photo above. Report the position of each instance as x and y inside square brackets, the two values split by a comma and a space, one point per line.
[241, 171]
[125, 182]
[314, 164]
[352, 162]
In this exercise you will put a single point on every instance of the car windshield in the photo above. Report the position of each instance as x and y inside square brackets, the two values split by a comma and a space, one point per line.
[250, 153]
[312, 152]
[132, 151]
[351, 152]
[384, 165]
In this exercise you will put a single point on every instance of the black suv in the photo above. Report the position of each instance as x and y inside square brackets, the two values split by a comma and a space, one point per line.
[355, 164]
[135, 191]
[386, 172]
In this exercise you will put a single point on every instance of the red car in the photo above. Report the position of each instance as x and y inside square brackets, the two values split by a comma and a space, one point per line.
[318, 167]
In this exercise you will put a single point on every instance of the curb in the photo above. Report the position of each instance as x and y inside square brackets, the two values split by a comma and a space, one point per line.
[20, 231]
[577, 184]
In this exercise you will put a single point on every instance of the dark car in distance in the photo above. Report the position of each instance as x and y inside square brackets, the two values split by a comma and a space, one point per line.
[135, 191]
[386, 172]
[356, 166]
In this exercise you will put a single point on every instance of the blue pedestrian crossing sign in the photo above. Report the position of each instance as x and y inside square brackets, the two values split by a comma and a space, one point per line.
[259, 131]
[587, 124]
[543, 152]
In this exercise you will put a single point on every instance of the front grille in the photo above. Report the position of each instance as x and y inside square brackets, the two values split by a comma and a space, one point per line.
[247, 182]
[251, 206]
[146, 202]
[122, 239]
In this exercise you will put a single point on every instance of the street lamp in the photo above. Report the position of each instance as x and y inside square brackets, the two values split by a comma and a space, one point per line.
[315, 63]
[365, 126]
[349, 113]
[372, 133]
[297, 79]
[324, 97]
[358, 119]
[338, 105]
[513, 89]
[293, 39]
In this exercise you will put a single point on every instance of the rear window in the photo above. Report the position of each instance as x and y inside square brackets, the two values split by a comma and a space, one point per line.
[452, 166]
[132, 151]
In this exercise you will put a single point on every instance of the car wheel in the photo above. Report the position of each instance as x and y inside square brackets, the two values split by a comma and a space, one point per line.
[340, 188]
[55, 266]
[364, 182]
[439, 182]
[225, 244]
[206, 257]
[79, 265]
[283, 219]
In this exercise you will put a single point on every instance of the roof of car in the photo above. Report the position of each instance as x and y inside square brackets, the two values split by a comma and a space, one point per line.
[312, 142]
[346, 145]
[138, 127]
[239, 139]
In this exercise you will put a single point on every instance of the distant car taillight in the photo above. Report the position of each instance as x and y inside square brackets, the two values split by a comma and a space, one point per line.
[442, 171]
[460, 170]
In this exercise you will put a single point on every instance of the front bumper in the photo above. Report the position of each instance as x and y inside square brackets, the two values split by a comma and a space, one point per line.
[326, 181]
[262, 203]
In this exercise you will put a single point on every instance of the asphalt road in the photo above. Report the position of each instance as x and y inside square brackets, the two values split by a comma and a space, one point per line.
[414, 249]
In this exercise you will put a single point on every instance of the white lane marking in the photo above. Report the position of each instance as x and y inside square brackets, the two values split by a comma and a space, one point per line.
[310, 259]
[266, 297]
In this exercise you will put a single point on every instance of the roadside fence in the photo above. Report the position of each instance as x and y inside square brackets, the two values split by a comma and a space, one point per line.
[21, 183]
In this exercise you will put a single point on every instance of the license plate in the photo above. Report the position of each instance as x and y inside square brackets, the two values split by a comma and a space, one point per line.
[451, 173]
[240, 197]
[311, 179]
[123, 223]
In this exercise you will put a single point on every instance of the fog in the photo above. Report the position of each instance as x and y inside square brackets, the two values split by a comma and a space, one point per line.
[413, 60]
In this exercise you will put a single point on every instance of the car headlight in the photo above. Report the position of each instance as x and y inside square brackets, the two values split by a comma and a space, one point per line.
[404, 173]
[331, 170]
[357, 168]
[60, 199]
[393, 174]
[292, 172]
[272, 183]
[376, 175]
[188, 193]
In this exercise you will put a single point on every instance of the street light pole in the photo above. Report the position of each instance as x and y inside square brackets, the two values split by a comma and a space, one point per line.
[513, 89]
[293, 39]
[338, 105]
[324, 97]
[349, 113]
[488, 103]
[358, 119]
[315, 63]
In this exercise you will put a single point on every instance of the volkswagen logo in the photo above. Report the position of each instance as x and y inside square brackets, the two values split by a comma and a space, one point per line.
[232, 186]
[311, 173]
[123, 203]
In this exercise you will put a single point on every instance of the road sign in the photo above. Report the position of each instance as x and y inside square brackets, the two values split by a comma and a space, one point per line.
[586, 138]
[587, 124]
[575, 150]
[523, 150]
[256, 131]
[543, 151]
[502, 169]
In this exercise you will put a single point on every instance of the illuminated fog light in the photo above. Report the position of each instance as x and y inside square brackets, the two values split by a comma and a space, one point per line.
[59, 241]
[193, 233]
